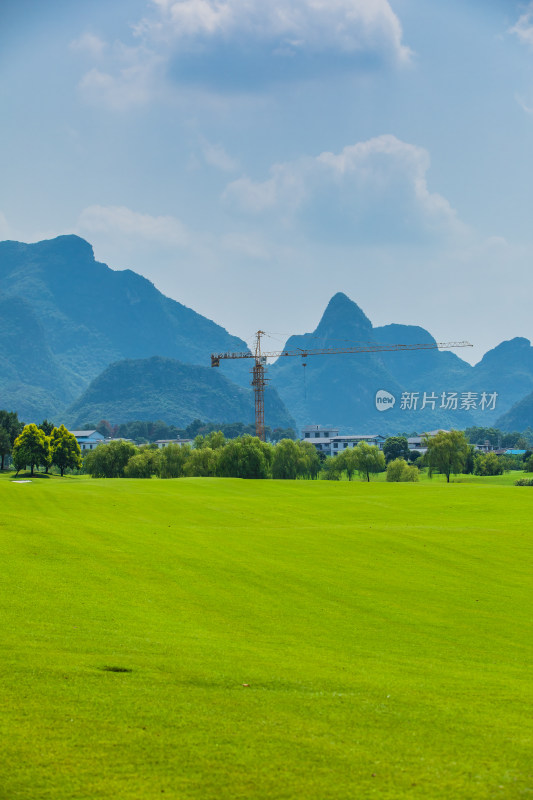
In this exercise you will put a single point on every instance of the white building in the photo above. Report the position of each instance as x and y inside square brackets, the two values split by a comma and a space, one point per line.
[88, 440]
[327, 440]
[164, 442]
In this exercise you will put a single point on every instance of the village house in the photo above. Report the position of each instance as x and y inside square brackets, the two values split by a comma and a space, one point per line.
[164, 442]
[88, 440]
[327, 440]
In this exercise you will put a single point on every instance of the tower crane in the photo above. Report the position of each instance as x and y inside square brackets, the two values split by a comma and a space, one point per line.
[260, 358]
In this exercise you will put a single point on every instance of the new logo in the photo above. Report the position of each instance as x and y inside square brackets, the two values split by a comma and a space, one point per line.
[384, 400]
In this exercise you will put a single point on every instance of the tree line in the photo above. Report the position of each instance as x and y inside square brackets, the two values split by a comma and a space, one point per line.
[214, 454]
[210, 456]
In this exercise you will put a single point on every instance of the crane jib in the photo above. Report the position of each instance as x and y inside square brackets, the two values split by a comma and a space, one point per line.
[260, 360]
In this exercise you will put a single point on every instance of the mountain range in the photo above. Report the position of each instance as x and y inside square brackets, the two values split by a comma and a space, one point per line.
[80, 341]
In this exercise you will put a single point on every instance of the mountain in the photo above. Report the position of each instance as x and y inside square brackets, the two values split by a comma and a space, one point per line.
[70, 316]
[519, 417]
[65, 317]
[166, 389]
[425, 389]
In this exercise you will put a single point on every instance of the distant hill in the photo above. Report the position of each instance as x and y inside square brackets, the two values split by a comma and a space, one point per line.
[66, 317]
[519, 417]
[165, 389]
[341, 390]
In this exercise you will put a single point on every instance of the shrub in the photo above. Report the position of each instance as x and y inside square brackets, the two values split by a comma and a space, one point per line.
[398, 471]
[331, 469]
[524, 482]
[487, 464]
[143, 465]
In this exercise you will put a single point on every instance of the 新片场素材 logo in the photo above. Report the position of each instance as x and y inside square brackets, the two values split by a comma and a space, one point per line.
[384, 400]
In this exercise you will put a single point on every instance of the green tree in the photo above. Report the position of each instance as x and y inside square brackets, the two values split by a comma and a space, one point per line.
[245, 457]
[396, 447]
[215, 440]
[201, 463]
[31, 447]
[288, 460]
[348, 461]
[109, 460]
[528, 464]
[293, 460]
[5, 445]
[399, 471]
[283, 433]
[143, 464]
[369, 460]
[64, 450]
[47, 427]
[173, 460]
[446, 452]
[10, 423]
[487, 464]
[309, 460]
[332, 469]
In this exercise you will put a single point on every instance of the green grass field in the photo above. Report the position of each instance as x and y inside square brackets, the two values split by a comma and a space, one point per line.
[276, 639]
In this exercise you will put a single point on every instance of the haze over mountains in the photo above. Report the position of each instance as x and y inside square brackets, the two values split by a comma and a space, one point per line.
[65, 318]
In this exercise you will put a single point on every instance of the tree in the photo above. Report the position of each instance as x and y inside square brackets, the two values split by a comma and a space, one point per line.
[293, 460]
[173, 460]
[245, 457]
[64, 450]
[215, 440]
[446, 452]
[47, 427]
[283, 433]
[201, 463]
[399, 471]
[143, 464]
[332, 469]
[11, 425]
[347, 460]
[396, 447]
[369, 460]
[5, 445]
[309, 459]
[31, 447]
[487, 464]
[109, 460]
[287, 461]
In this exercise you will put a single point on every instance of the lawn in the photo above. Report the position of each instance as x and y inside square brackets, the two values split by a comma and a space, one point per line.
[204, 638]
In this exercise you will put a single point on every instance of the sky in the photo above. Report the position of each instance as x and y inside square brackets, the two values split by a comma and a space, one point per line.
[253, 158]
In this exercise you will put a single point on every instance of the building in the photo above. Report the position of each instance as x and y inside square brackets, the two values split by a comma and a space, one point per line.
[88, 440]
[416, 443]
[164, 442]
[327, 440]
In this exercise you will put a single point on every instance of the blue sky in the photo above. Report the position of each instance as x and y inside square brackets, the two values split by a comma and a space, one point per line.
[252, 159]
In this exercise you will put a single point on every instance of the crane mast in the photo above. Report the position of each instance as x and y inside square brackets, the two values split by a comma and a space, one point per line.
[259, 380]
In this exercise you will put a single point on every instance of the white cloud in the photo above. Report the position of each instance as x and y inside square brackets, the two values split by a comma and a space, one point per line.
[216, 156]
[346, 26]
[128, 77]
[89, 44]
[524, 27]
[377, 189]
[121, 222]
[523, 104]
[239, 44]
